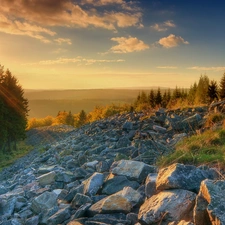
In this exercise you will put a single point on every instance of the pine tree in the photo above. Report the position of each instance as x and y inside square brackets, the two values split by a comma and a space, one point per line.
[192, 94]
[202, 90]
[213, 91]
[158, 97]
[82, 118]
[151, 98]
[14, 110]
[70, 119]
[222, 87]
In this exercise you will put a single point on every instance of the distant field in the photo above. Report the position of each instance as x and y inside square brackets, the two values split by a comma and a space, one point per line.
[48, 102]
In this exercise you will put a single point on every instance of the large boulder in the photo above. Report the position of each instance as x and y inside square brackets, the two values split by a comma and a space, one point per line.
[133, 170]
[210, 204]
[167, 206]
[179, 176]
[44, 201]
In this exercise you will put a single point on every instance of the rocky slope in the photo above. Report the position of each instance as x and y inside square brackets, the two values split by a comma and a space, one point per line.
[105, 173]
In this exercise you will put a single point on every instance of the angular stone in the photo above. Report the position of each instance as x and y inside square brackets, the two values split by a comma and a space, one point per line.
[127, 126]
[64, 176]
[133, 170]
[79, 189]
[210, 207]
[80, 199]
[59, 217]
[169, 206]
[47, 178]
[32, 221]
[111, 204]
[150, 184]
[93, 184]
[7, 205]
[117, 183]
[44, 201]
[134, 197]
[179, 176]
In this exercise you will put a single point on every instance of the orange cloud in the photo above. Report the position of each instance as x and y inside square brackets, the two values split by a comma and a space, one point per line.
[163, 26]
[68, 13]
[130, 44]
[63, 40]
[172, 41]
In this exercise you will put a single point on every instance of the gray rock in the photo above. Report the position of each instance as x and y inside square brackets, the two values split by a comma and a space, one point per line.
[168, 206]
[150, 185]
[79, 200]
[117, 183]
[47, 178]
[32, 221]
[127, 126]
[133, 170]
[93, 184]
[179, 176]
[210, 205]
[59, 217]
[7, 205]
[79, 189]
[111, 204]
[43, 202]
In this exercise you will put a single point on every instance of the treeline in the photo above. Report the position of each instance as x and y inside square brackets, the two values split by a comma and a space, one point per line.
[81, 118]
[200, 93]
[13, 111]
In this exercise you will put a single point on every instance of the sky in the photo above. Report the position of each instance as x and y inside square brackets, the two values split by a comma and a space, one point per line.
[86, 44]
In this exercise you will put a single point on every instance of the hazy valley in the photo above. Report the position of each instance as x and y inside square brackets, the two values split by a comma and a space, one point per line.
[48, 102]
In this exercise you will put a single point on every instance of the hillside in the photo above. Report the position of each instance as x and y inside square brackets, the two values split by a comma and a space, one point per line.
[105, 173]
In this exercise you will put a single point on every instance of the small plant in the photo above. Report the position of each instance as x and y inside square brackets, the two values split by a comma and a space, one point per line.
[214, 118]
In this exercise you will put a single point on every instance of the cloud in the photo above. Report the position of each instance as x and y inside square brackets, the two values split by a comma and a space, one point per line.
[24, 28]
[78, 59]
[49, 13]
[63, 40]
[199, 68]
[126, 45]
[163, 26]
[172, 41]
[167, 67]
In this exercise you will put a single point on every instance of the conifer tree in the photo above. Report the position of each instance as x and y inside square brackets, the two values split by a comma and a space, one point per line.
[151, 98]
[70, 119]
[158, 97]
[213, 91]
[202, 90]
[13, 110]
[222, 87]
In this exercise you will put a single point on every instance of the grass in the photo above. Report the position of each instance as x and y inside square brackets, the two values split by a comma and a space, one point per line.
[7, 159]
[207, 148]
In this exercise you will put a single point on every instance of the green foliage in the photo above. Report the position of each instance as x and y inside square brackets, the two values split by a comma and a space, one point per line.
[207, 148]
[8, 159]
[120, 156]
[213, 91]
[13, 111]
[201, 96]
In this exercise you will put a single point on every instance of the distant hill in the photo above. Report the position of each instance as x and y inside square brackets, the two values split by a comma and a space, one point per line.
[48, 102]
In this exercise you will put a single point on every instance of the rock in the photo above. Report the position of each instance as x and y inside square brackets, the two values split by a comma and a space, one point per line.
[43, 202]
[134, 197]
[179, 176]
[80, 200]
[7, 205]
[150, 185]
[102, 167]
[133, 170]
[127, 126]
[210, 204]
[32, 221]
[93, 184]
[117, 183]
[111, 204]
[81, 211]
[78, 189]
[59, 217]
[168, 206]
[3, 190]
[47, 178]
